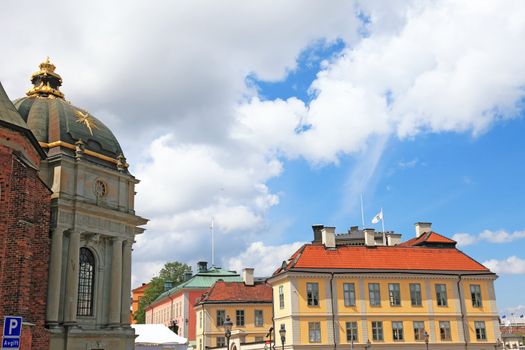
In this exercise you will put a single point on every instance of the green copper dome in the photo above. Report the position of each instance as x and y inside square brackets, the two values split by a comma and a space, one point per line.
[61, 127]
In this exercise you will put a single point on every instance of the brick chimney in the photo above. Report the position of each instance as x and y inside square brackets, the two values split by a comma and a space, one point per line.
[317, 233]
[328, 237]
[369, 234]
[422, 228]
[247, 276]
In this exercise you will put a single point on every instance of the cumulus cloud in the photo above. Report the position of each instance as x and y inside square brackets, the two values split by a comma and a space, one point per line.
[170, 80]
[510, 266]
[500, 236]
[264, 258]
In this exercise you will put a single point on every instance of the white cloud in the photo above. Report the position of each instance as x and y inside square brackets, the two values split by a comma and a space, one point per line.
[510, 266]
[264, 258]
[170, 80]
[500, 236]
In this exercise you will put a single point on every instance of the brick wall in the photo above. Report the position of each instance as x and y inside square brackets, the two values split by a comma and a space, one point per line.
[24, 238]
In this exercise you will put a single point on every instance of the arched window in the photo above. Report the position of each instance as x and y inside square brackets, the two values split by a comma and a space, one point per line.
[86, 282]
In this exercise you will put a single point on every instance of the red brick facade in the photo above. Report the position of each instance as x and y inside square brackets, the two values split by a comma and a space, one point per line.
[24, 237]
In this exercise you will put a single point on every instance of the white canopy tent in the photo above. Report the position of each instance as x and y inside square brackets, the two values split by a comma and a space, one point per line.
[157, 337]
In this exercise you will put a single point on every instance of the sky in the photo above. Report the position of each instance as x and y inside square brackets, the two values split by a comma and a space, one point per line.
[272, 116]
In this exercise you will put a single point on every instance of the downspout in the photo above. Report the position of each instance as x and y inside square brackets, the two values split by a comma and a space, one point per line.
[203, 327]
[333, 308]
[273, 318]
[462, 308]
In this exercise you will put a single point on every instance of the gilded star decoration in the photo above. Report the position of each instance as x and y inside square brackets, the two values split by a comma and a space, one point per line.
[84, 118]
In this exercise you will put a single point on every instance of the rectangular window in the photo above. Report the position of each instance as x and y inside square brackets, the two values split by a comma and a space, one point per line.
[374, 293]
[394, 294]
[415, 294]
[259, 320]
[200, 344]
[419, 330]
[221, 341]
[281, 297]
[312, 293]
[441, 295]
[314, 332]
[377, 330]
[475, 295]
[397, 330]
[349, 294]
[221, 317]
[444, 330]
[481, 333]
[239, 317]
[200, 319]
[351, 332]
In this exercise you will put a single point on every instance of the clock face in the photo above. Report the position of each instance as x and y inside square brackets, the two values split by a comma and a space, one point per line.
[101, 189]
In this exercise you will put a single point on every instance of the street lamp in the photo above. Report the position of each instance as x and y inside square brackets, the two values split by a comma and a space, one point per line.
[227, 331]
[282, 333]
[426, 339]
[498, 344]
[368, 344]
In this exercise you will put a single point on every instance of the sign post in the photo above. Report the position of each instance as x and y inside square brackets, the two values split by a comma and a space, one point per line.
[11, 333]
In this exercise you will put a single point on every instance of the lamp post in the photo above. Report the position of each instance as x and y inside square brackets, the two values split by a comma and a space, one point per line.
[282, 333]
[228, 331]
[498, 344]
[368, 344]
[426, 339]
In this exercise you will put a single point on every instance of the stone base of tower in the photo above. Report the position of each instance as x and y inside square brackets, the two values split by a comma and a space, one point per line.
[82, 339]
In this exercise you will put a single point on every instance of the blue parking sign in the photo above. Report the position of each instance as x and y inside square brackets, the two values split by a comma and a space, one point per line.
[11, 333]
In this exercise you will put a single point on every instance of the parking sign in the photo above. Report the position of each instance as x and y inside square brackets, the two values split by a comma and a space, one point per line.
[12, 331]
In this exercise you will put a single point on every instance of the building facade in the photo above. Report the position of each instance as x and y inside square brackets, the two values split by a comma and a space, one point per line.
[330, 295]
[136, 296]
[93, 221]
[176, 305]
[247, 304]
[24, 227]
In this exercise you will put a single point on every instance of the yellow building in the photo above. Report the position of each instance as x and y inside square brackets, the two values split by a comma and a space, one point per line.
[331, 295]
[247, 304]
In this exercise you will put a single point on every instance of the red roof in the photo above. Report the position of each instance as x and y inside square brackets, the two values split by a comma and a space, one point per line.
[238, 292]
[316, 256]
[429, 237]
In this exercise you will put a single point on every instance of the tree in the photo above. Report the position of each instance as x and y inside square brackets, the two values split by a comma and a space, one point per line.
[171, 272]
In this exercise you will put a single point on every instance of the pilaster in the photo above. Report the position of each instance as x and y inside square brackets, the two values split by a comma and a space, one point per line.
[116, 283]
[70, 314]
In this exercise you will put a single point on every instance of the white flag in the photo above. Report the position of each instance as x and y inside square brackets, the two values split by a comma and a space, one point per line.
[378, 217]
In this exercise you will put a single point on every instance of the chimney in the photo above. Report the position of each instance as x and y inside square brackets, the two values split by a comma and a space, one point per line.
[328, 237]
[369, 234]
[422, 228]
[247, 276]
[317, 233]
[202, 266]
[187, 275]
[168, 285]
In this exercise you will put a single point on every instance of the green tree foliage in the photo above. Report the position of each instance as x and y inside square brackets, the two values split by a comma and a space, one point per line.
[171, 272]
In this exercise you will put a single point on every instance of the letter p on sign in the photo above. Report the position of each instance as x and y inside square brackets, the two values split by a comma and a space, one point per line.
[12, 326]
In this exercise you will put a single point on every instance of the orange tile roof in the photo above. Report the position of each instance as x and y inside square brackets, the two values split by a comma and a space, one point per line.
[429, 237]
[237, 292]
[316, 256]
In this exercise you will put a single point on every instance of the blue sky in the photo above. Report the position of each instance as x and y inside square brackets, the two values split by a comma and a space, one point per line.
[271, 116]
[462, 183]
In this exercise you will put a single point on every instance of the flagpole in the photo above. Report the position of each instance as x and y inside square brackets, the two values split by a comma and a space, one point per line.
[383, 226]
[212, 243]
[362, 212]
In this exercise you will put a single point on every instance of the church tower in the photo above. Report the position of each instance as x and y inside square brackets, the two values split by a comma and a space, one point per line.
[93, 221]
